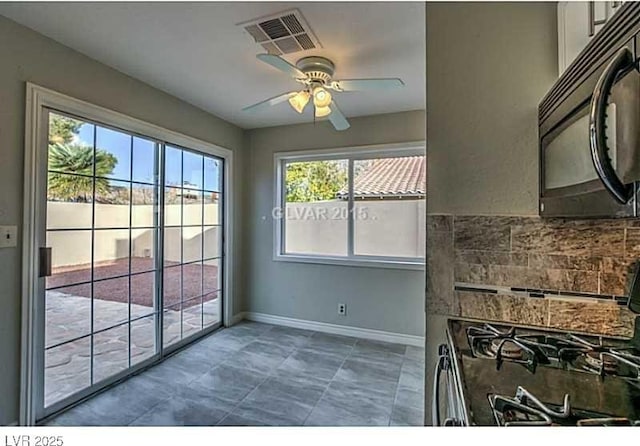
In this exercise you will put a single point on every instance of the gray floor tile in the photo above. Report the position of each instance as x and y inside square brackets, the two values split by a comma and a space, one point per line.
[268, 349]
[255, 362]
[366, 345]
[406, 416]
[292, 337]
[312, 363]
[348, 405]
[261, 416]
[237, 420]
[118, 406]
[288, 399]
[228, 383]
[414, 352]
[375, 375]
[333, 344]
[172, 374]
[181, 411]
[412, 375]
[380, 357]
[411, 398]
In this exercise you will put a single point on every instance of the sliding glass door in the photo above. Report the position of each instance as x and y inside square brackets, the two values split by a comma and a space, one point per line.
[192, 243]
[133, 260]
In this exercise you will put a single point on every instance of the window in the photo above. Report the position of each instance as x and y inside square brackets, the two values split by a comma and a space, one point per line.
[357, 207]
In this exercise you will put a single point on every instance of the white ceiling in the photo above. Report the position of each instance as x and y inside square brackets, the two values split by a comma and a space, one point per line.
[196, 52]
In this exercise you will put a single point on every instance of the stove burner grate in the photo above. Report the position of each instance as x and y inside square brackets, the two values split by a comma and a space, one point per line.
[526, 410]
[568, 352]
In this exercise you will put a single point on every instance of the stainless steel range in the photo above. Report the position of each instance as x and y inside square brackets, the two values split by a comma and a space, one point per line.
[516, 376]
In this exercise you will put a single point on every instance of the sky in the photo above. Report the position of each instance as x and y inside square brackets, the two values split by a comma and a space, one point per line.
[180, 164]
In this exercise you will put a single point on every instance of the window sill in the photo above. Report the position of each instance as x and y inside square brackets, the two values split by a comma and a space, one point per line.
[352, 262]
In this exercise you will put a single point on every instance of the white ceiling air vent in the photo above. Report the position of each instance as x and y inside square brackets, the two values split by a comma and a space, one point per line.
[283, 33]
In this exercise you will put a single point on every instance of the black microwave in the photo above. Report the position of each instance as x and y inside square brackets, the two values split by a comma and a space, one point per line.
[589, 128]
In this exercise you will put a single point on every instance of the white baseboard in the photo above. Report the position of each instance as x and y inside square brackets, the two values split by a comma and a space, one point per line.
[366, 333]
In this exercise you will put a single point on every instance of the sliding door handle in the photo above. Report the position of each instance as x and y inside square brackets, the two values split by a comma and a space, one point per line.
[44, 262]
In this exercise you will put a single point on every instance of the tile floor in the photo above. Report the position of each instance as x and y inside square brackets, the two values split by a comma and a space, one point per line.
[260, 374]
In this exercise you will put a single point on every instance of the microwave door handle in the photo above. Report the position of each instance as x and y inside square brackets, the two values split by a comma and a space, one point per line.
[622, 61]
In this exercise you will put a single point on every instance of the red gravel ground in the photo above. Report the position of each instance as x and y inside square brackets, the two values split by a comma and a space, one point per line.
[198, 280]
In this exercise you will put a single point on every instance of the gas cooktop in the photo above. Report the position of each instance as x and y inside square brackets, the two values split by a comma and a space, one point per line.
[523, 376]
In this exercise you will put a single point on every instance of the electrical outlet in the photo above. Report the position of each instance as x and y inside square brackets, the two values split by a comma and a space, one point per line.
[342, 309]
[8, 236]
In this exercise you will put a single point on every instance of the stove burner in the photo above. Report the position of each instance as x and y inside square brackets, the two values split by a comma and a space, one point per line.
[561, 351]
[526, 410]
[601, 362]
[508, 350]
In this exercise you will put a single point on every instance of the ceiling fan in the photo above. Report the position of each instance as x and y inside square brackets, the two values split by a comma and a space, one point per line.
[316, 75]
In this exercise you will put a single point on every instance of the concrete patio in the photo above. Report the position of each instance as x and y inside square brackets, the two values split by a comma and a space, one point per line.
[68, 367]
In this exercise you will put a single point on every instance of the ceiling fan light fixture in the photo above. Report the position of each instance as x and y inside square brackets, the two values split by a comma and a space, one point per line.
[321, 97]
[321, 112]
[300, 101]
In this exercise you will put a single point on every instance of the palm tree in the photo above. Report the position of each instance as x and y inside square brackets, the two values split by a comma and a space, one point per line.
[78, 159]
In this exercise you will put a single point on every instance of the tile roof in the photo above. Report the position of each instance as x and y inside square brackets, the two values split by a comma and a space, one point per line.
[391, 177]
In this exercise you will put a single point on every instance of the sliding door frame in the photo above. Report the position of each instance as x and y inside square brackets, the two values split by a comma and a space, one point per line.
[39, 101]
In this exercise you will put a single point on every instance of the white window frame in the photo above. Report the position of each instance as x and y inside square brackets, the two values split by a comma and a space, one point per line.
[414, 148]
[38, 100]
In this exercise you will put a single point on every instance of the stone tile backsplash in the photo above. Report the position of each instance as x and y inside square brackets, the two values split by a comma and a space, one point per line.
[558, 256]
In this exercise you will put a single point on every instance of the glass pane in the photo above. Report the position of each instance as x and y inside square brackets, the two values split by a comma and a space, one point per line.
[212, 308]
[211, 208]
[191, 207]
[172, 325]
[142, 250]
[212, 242]
[191, 170]
[69, 264]
[69, 199]
[191, 244]
[172, 206]
[111, 253]
[144, 160]
[143, 210]
[390, 228]
[110, 302]
[316, 207]
[70, 145]
[212, 174]
[142, 294]
[143, 339]
[113, 154]
[68, 313]
[110, 352]
[389, 207]
[173, 167]
[211, 276]
[172, 246]
[172, 286]
[192, 317]
[191, 280]
[112, 203]
[67, 370]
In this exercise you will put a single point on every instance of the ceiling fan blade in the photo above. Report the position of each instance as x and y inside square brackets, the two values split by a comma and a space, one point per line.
[336, 117]
[366, 84]
[282, 65]
[269, 102]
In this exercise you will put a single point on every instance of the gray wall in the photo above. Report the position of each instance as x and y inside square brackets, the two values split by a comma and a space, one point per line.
[488, 66]
[383, 299]
[28, 56]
